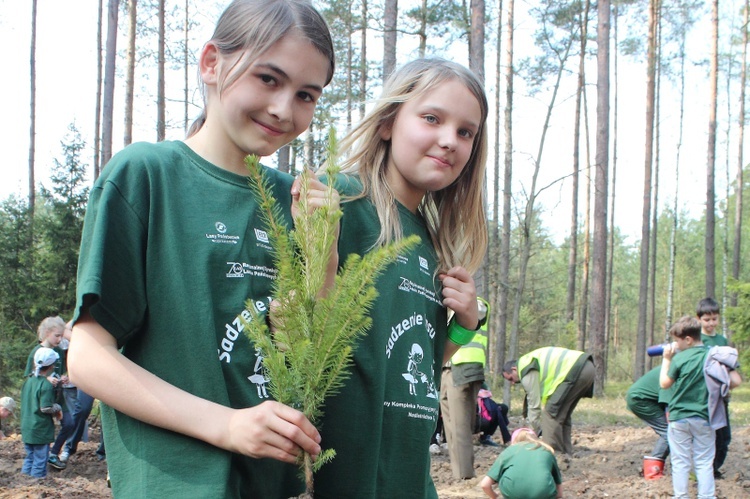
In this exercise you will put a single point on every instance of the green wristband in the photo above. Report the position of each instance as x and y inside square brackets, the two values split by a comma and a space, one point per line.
[459, 334]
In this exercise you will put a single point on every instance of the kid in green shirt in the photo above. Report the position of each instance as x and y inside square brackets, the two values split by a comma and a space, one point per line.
[525, 470]
[38, 408]
[708, 312]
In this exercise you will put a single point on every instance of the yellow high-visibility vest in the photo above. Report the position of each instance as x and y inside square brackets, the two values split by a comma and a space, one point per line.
[553, 364]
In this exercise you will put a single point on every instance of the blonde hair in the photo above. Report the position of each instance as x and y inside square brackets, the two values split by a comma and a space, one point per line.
[247, 28]
[454, 215]
[48, 325]
[528, 437]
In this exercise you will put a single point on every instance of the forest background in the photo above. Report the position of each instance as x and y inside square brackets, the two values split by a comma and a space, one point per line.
[606, 224]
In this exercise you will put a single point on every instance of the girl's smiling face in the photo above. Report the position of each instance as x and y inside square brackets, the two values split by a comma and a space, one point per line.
[266, 107]
[432, 138]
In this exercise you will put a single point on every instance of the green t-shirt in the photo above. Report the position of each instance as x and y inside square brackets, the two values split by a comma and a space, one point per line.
[172, 247]
[717, 340]
[689, 396]
[526, 471]
[381, 422]
[36, 427]
[645, 398]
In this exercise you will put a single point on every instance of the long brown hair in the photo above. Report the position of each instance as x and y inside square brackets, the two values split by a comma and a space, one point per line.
[454, 215]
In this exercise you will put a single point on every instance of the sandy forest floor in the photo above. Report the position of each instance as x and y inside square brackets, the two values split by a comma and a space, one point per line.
[606, 463]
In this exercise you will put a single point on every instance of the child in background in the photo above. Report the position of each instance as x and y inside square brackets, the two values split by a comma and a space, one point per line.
[527, 469]
[648, 401]
[38, 408]
[173, 245]
[7, 409]
[690, 435]
[491, 417]
[51, 334]
[414, 165]
[709, 313]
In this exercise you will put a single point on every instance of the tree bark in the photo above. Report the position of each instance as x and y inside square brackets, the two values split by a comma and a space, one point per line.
[598, 278]
[655, 210]
[389, 37]
[476, 39]
[507, 196]
[108, 100]
[32, 110]
[186, 69]
[640, 350]
[497, 341]
[161, 111]
[99, 76]
[363, 62]
[740, 160]
[130, 71]
[710, 242]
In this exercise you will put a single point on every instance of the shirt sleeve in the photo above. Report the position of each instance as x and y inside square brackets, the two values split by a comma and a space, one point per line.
[530, 383]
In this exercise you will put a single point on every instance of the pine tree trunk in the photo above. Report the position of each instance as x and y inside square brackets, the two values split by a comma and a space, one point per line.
[161, 102]
[363, 62]
[640, 350]
[497, 342]
[740, 161]
[711, 160]
[599, 280]
[476, 39]
[99, 76]
[389, 37]
[130, 71]
[110, 61]
[507, 196]
[32, 110]
[611, 263]
[655, 210]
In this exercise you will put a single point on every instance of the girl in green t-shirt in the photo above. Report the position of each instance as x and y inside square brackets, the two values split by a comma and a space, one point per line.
[527, 469]
[413, 166]
[172, 247]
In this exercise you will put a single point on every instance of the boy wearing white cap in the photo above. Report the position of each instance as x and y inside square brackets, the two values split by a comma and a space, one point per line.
[7, 406]
[38, 410]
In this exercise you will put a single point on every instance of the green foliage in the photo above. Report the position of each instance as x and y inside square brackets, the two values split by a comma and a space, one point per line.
[307, 354]
[739, 320]
[39, 259]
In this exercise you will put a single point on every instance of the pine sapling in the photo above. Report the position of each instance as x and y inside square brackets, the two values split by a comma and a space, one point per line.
[307, 351]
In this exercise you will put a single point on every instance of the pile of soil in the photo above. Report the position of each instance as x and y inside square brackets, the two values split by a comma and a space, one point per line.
[606, 463]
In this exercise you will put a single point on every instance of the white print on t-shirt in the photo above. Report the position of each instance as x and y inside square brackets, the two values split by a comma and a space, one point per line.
[232, 330]
[220, 236]
[414, 376]
[242, 269]
[413, 287]
[405, 325]
[259, 378]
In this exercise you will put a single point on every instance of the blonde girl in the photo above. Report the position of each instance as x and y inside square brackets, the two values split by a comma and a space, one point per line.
[49, 333]
[414, 165]
[527, 469]
[173, 245]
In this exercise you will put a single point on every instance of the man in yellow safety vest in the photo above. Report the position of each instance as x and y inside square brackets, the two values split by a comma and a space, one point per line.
[554, 379]
[461, 380]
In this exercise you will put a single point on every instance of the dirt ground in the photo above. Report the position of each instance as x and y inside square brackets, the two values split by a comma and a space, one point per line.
[606, 463]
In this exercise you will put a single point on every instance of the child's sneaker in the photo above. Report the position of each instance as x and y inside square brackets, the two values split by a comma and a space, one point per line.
[55, 462]
[64, 456]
